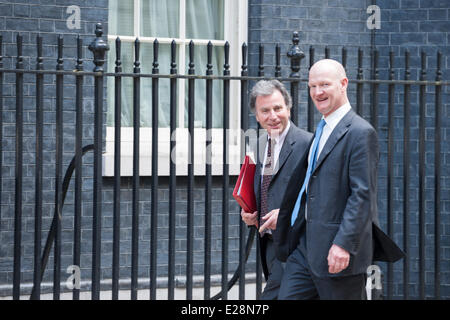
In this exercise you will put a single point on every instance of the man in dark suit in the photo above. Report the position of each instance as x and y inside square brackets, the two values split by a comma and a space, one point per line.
[282, 147]
[329, 212]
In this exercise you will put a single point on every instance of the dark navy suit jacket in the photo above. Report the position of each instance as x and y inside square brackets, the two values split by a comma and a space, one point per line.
[341, 200]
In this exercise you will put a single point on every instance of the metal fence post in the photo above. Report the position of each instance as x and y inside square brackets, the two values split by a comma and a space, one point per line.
[18, 172]
[99, 48]
[1, 122]
[437, 178]
[296, 56]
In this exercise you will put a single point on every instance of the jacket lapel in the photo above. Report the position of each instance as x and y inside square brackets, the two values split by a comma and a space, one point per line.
[285, 152]
[339, 131]
[284, 155]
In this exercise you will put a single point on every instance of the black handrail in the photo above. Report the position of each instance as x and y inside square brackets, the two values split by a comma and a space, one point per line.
[57, 215]
[235, 277]
[52, 231]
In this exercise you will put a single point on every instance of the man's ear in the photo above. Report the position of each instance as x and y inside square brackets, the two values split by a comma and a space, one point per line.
[344, 84]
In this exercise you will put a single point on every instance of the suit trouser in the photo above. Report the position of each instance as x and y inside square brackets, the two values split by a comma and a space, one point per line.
[298, 282]
[275, 268]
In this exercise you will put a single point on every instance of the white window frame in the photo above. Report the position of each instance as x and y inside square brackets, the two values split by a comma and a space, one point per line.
[235, 32]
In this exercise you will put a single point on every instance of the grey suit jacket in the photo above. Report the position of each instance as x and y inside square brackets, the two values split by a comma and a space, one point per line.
[341, 200]
[294, 147]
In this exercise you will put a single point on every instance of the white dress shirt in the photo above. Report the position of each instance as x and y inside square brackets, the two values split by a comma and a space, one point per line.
[279, 140]
[330, 123]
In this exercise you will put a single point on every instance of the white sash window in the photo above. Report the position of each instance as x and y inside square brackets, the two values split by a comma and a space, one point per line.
[201, 21]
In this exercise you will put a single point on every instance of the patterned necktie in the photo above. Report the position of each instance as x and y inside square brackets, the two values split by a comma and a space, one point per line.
[267, 177]
[311, 165]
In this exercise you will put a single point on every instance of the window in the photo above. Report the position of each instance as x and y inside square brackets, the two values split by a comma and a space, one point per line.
[201, 21]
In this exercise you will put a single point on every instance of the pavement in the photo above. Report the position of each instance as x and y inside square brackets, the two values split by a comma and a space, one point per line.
[161, 294]
[144, 294]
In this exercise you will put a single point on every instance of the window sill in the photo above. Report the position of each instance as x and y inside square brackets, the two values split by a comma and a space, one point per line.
[180, 152]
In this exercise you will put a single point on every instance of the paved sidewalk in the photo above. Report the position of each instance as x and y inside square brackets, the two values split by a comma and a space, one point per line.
[144, 294]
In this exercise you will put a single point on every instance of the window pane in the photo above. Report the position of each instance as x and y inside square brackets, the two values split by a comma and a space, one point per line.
[160, 18]
[200, 61]
[204, 19]
[120, 18]
[164, 58]
[126, 58]
[146, 59]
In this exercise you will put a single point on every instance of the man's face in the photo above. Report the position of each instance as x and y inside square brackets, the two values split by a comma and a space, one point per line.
[272, 113]
[327, 89]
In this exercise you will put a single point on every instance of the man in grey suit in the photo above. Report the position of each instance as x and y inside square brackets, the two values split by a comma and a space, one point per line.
[282, 147]
[331, 211]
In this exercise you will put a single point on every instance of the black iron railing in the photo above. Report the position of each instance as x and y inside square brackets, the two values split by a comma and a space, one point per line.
[99, 47]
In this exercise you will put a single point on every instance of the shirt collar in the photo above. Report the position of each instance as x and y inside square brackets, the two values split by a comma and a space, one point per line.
[333, 119]
[280, 138]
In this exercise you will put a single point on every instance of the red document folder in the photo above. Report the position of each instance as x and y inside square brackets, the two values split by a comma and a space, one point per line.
[243, 191]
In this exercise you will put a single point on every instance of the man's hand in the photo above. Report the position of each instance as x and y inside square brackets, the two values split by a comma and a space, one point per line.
[338, 259]
[270, 220]
[250, 219]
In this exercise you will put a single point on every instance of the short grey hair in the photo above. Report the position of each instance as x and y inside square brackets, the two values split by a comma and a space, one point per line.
[267, 87]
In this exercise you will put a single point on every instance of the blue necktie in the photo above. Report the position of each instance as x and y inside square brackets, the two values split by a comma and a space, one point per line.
[311, 165]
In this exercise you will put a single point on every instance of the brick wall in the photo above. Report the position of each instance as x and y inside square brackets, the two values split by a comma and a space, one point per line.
[414, 24]
[49, 20]
[321, 24]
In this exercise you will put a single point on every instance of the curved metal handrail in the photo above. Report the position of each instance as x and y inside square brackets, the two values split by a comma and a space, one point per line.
[235, 277]
[52, 231]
